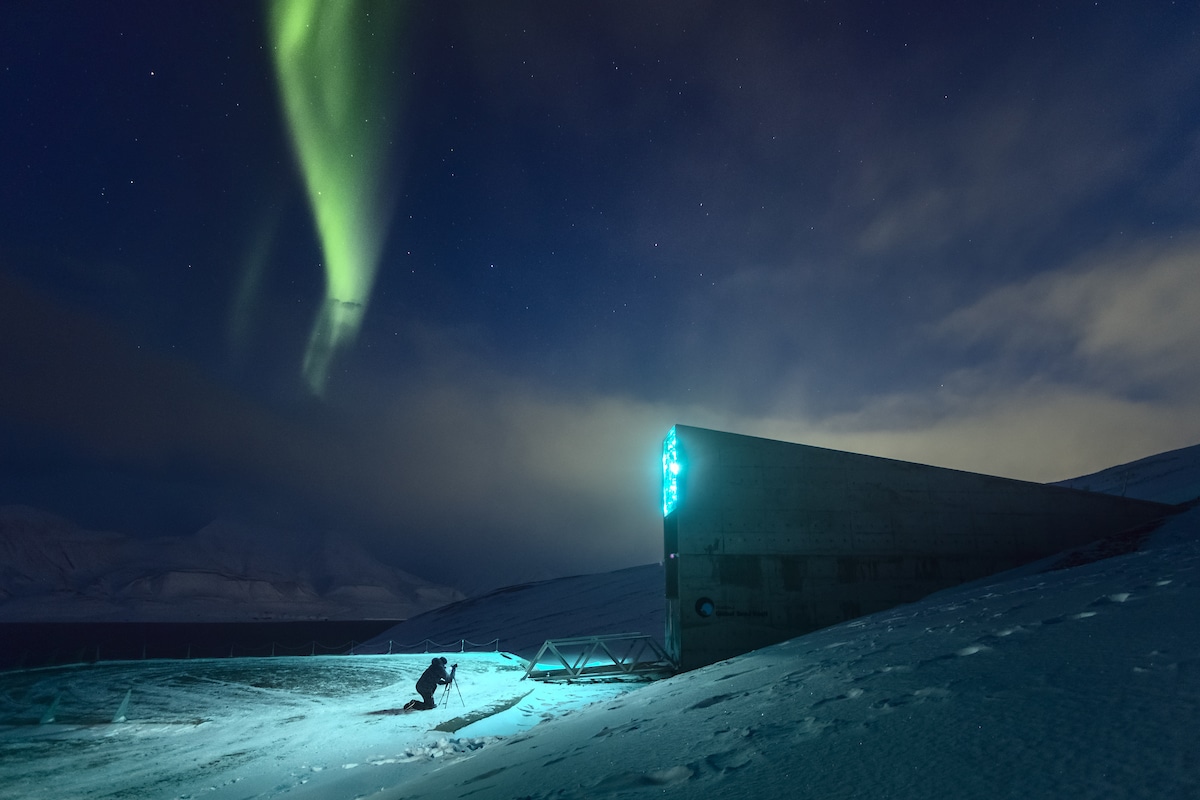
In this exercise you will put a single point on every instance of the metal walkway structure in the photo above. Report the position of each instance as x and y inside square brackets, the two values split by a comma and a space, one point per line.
[609, 656]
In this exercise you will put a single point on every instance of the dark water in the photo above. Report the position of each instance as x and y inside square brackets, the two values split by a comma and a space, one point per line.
[43, 644]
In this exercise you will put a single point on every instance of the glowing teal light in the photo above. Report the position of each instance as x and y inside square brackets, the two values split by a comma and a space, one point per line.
[672, 469]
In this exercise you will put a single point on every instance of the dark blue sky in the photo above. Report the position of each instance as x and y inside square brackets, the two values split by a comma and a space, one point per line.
[963, 234]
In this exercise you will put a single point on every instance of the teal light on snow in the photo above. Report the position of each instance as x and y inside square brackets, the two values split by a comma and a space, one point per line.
[671, 469]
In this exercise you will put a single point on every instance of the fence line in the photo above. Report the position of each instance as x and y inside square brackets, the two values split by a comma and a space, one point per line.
[354, 648]
[430, 646]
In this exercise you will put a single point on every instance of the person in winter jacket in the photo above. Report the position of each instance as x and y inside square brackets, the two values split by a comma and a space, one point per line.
[435, 675]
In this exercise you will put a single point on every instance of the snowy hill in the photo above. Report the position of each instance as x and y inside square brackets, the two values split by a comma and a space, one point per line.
[51, 570]
[1171, 477]
[523, 617]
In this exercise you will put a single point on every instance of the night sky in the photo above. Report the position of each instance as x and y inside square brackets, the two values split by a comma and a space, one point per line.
[965, 234]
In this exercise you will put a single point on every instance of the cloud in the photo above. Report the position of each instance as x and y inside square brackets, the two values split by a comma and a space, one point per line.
[1044, 138]
[1048, 378]
[1124, 319]
[1037, 430]
[101, 398]
[521, 480]
[499, 478]
[1053, 376]
[464, 475]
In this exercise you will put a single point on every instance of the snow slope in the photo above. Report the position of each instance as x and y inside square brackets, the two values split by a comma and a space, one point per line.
[523, 617]
[1171, 477]
[1077, 678]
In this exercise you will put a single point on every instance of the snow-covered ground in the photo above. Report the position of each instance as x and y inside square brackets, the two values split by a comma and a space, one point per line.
[1079, 682]
[262, 727]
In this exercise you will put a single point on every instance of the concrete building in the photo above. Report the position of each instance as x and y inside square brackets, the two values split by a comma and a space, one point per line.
[766, 540]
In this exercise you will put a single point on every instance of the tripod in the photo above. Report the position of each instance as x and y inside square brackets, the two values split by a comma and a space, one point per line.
[454, 683]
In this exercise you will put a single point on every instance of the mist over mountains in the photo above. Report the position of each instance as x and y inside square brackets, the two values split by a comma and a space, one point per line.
[53, 570]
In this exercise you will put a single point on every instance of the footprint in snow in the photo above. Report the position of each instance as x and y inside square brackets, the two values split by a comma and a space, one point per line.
[926, 695]
[606, 731]
[1109, 599]
[971, 650]
[853, 694]
[727, 761]
[711, 701]
[483, 776]
[625, 781]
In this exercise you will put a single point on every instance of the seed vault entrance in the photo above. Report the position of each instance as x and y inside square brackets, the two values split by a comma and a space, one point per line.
[767, 540]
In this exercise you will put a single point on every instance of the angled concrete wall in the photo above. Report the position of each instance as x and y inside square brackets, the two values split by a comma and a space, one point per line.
[767, 540]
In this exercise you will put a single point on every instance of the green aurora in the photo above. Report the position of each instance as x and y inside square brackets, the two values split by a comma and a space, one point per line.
[334, 60]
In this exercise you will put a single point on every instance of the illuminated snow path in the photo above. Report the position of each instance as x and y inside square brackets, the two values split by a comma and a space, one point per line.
[226, 728]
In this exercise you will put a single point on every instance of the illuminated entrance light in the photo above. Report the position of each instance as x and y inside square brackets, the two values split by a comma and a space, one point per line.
[672, 469]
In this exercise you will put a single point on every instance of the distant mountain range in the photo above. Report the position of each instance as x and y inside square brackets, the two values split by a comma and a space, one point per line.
[53, 570]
